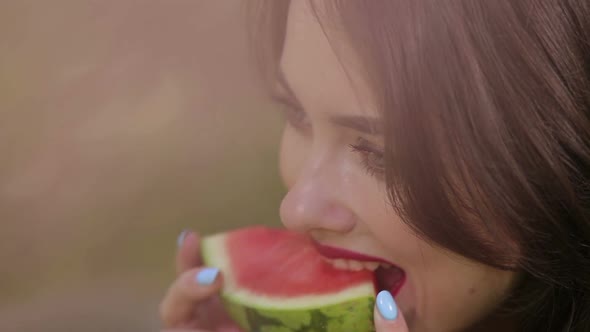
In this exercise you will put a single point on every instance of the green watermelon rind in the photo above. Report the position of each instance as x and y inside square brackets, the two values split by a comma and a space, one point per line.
[353, 315]
[349, 310]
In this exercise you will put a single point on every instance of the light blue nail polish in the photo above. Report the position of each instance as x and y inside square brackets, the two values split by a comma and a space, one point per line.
[181, 237]
[207, 276]
[386, 305]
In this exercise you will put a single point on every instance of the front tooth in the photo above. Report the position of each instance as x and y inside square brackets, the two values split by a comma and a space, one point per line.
[372, 266]
[386, 265]
[340, 264]
[355, 265]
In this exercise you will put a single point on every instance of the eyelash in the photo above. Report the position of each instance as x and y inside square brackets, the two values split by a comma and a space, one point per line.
[372, 158]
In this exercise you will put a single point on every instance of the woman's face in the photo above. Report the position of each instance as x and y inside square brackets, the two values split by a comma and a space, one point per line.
[331, 162]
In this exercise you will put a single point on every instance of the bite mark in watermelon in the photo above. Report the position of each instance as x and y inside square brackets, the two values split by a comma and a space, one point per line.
[276, 281]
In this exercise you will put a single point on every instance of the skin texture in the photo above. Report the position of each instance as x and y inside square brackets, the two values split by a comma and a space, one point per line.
[336, 195]
[332, 196]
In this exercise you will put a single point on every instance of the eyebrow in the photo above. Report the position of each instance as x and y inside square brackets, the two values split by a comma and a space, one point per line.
[363, 124]
[367, 125]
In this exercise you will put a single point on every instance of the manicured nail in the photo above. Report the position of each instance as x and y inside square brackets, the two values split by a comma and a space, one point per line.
[386, 305]
[181, 237]
[207, 276]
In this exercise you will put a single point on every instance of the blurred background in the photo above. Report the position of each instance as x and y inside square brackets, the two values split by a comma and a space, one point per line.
[122, 122]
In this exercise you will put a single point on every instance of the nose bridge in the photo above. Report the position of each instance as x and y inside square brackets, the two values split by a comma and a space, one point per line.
[310, 191]
[314, 169]
[315, 200]
[318, 178]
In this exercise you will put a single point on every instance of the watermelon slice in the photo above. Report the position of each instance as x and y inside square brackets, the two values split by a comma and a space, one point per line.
[276, 281]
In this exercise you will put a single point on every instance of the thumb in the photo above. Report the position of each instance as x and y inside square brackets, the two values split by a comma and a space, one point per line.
[387, 316]
[188, 254]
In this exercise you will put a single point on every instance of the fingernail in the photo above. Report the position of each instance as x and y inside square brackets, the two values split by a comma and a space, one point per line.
[386, 305]
[181, 237]
[207, 276]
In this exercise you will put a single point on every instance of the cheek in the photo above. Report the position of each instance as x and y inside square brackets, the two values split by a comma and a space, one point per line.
[465, 297]
[451, 292]
[293, 153]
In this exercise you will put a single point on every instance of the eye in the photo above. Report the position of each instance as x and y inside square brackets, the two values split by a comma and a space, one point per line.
[295, 116]
[372, 157]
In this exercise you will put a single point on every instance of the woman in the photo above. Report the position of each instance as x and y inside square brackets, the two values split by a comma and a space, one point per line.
[450, 138]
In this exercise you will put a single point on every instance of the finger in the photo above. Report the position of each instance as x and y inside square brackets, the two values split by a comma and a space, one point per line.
[191, 288]
[387, 316]
[188, 255]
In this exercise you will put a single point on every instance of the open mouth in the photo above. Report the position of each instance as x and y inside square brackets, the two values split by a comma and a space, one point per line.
[387, 276]
[391, 279]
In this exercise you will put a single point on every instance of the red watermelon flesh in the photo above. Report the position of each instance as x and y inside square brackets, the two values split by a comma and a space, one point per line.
[280, 263]
[276, 280]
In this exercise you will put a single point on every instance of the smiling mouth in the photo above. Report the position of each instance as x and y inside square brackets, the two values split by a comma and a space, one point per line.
[387, 275]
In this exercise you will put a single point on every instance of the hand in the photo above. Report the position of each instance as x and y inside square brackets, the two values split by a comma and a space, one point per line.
[387, 316]
[192, 302]
[192, 307]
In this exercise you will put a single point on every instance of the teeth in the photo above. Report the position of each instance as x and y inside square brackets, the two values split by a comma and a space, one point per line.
[352, 265]
[372, 266]
[385, 265]
[340, 264]
[355, 265]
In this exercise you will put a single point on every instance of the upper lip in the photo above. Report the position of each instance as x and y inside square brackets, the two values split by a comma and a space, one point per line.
[335, 253]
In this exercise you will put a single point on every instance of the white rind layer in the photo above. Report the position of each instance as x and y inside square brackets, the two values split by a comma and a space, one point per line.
[214, 250]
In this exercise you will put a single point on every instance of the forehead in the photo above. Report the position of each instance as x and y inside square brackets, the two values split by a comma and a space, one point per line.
[319, 64]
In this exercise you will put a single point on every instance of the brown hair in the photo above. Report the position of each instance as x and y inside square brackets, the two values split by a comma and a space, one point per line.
[496, 97]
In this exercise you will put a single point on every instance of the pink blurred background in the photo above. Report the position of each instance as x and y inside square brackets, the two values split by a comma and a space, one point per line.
[122, 122]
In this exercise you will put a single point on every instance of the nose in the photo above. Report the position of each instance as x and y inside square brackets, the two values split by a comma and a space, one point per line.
[316, 201]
